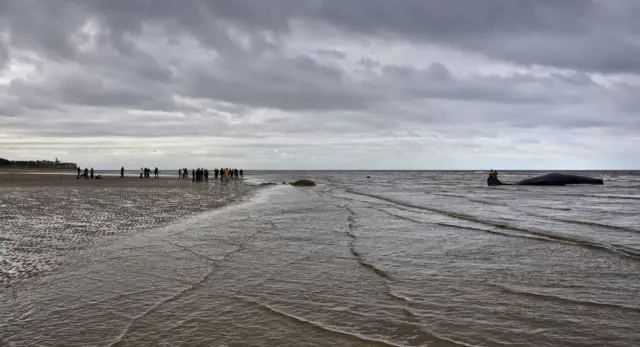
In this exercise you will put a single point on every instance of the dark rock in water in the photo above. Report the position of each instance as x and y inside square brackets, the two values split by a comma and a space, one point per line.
[303, 183]
[267, 184]
[550, 179]
[368, 176]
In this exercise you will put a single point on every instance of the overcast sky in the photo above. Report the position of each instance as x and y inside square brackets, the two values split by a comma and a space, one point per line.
[322, 84]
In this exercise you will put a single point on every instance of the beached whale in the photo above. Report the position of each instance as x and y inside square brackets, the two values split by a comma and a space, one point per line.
[550, 179]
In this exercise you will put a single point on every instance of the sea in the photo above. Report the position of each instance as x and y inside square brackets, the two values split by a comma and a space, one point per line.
[364, 258]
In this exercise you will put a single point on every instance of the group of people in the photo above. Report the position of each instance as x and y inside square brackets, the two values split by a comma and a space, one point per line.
[493, 173]
[197, 175]
[228, 173]
[144, 172]
[87, 174]
[202, 175]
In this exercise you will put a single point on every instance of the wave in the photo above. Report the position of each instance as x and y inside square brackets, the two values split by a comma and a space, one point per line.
[554, 297]
[354, 252]
[600, 196]
[587, 223]
[615, 196]
[215, 263]
[547, 235]
[318, 325]
[600, 225]
[119, 339]
[349, 334]
[484, 202]
[464, 227]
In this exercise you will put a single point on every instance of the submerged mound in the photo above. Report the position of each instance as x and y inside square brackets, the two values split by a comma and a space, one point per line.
[303, 183]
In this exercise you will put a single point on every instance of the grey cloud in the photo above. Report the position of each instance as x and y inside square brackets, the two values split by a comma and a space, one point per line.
[299, 83]
[557, 33]
[89, 90]
[215, 68]
[4, 54]
[548, 32]
[45, 26]
[332, 53]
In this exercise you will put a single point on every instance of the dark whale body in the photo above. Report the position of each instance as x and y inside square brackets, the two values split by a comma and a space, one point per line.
[550, 179]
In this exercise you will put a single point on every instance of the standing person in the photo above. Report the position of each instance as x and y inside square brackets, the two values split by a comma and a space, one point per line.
[155, 172]
[241, 173]
[79, 172]
[122, 172]
[86, 173]
[179, 173]
[141, 172]
[91, 173]
[193, 175]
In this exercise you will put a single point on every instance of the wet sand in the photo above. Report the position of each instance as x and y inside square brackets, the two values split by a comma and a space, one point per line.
[46, 216]
[67, 178]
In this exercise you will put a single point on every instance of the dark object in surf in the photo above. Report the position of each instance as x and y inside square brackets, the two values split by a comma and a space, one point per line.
[303, 183]
[550, 179]
[268, 184]
[368, 176]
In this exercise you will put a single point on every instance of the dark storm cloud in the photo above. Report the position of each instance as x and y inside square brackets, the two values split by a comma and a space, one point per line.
[299, 83]
[579, 34]
[90, 91]
[4, 54]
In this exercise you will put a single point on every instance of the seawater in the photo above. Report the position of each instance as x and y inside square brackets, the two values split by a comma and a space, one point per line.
[398, 259]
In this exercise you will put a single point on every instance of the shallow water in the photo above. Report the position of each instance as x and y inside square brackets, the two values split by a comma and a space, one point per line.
[401, 259]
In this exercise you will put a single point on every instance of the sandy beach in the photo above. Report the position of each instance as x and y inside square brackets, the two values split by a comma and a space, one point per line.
[47, 215]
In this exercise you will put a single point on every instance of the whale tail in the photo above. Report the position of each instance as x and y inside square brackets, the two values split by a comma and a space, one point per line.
[493, 180]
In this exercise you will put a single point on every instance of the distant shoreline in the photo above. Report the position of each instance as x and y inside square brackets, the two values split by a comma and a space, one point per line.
[8, 168]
